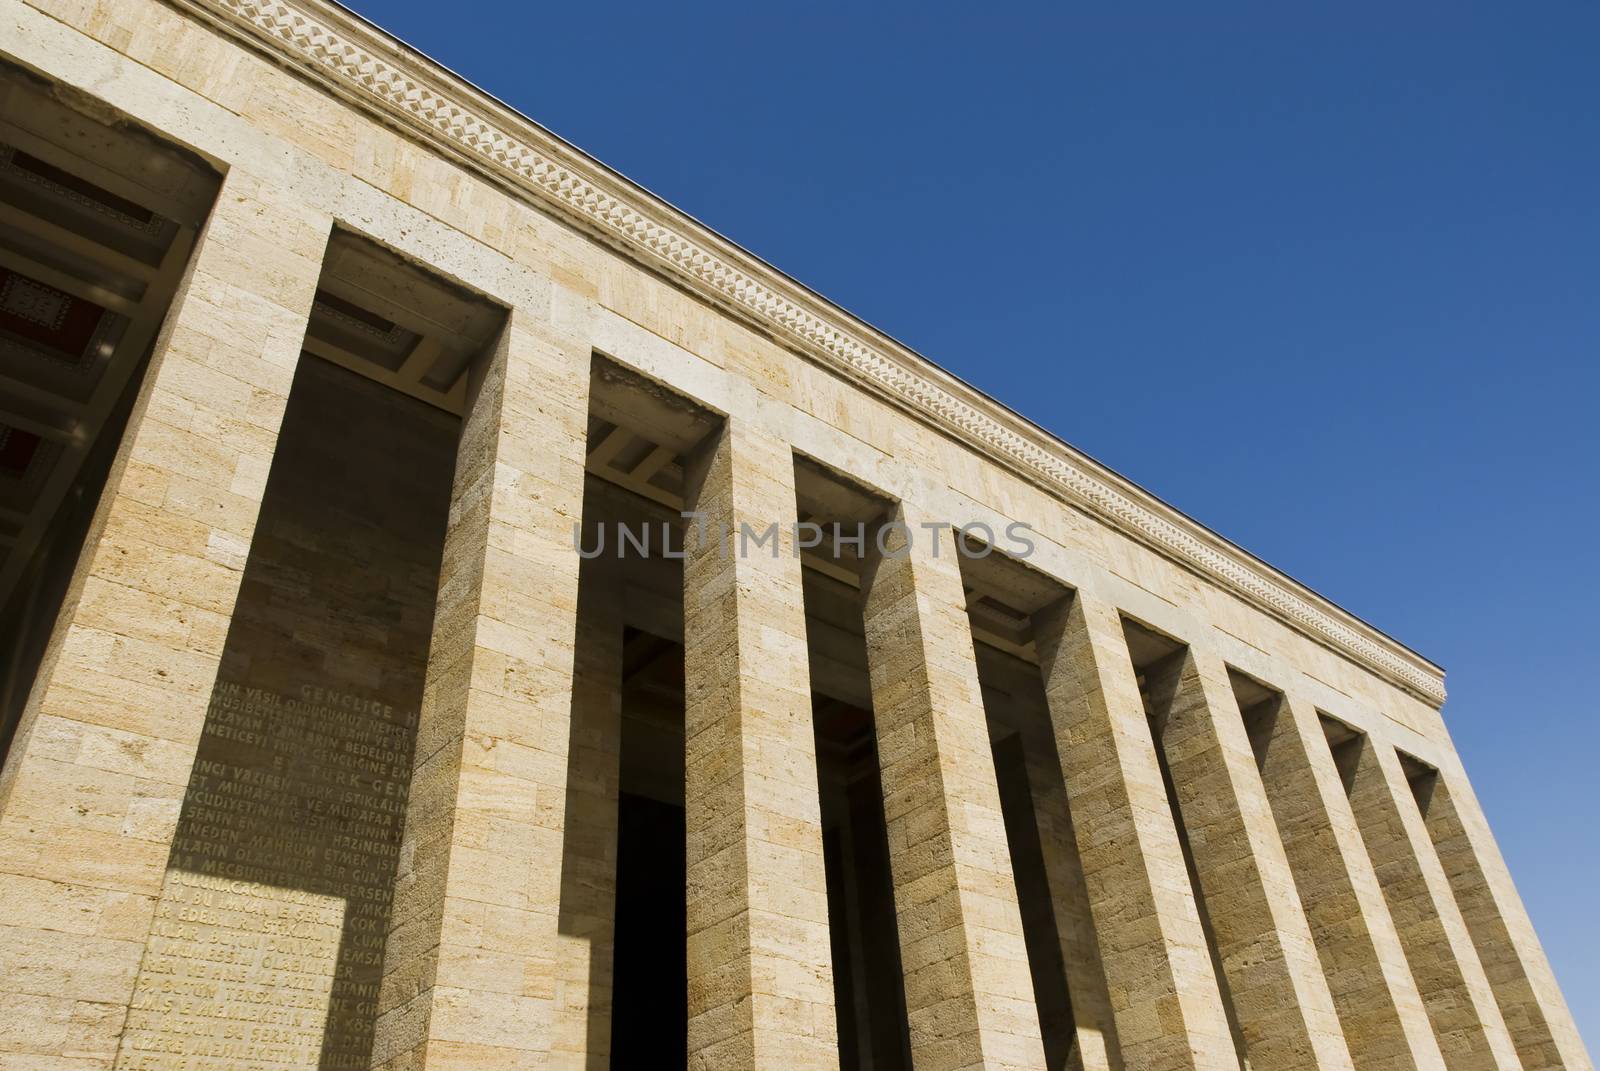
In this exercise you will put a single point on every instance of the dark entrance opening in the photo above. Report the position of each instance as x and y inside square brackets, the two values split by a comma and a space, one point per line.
[869, 989]
[869, 994]
[651, 990]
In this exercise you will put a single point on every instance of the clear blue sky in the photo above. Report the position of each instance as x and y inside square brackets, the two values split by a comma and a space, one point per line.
[1324, 277]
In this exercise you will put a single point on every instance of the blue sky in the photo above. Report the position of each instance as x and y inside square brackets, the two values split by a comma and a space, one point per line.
[1324, 277]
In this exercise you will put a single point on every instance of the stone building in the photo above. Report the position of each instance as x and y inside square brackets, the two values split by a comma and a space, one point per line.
[335, 740]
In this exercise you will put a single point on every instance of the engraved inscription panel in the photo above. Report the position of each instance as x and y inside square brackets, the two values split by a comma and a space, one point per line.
[287, 849]
[267, 946]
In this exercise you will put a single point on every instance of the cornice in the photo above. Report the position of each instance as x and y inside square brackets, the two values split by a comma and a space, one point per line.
[405, 89]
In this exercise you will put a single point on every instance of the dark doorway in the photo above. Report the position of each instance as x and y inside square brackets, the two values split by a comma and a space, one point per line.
[648, 1025]
[869, 993]
[650, 998]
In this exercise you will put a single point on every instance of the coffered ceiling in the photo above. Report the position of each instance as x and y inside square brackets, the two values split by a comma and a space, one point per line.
[96, 223]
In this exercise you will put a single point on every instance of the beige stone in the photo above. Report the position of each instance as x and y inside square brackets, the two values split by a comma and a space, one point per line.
[1514, 963]
[1163, 991]
[1384, 1020]
[968, 993]
[487, 740]
[1414, 950]
[78, 791]
[1468, 1023]
[760, 980]
[1280, 996]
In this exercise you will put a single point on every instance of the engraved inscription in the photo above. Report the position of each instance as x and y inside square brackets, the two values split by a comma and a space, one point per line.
[271, 921]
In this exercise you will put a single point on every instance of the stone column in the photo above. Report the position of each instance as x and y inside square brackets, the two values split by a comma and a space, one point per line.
[1164, 994]
[1281, 998]
[760, 974]
[1471, 1032]
[470, 974]
[1535, 1012]
[587, 922]
[1384, 1020]
[969, 993]
[1093, 1024]
[90, 795]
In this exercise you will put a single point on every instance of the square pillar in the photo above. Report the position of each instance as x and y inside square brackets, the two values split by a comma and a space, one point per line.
[1373, 990]
[91, 792]
[1280, 996]
[1094, 1026]
[1164, 993]
[969, 992]
[471, 967]
[760, 968]
[1513, 960]
[1467, 1021]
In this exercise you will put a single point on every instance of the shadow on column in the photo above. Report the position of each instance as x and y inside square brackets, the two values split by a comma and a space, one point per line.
[282, 869]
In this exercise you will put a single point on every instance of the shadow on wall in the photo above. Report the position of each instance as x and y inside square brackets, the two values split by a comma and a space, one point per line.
[269, 933]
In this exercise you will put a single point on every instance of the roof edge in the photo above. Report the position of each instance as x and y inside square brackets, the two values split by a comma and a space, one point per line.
[402, 87]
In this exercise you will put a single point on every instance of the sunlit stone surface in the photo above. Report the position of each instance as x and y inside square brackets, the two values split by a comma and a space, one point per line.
[926, 742]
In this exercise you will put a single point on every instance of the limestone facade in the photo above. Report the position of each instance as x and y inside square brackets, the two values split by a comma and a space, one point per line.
[334, 747]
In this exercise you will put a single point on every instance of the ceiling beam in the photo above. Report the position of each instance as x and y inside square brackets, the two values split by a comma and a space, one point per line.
[333, 353]
[59, 237]
[67, 283]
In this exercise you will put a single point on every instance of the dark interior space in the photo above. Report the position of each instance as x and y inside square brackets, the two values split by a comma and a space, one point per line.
[1045, 961]
[640, 436]
[651, 976]
[869, 997]
[1346, 744]
[295, 806]
[1023, 748]
[1422, 778]
[42, 586]
[650, 966]
[1260, 707]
